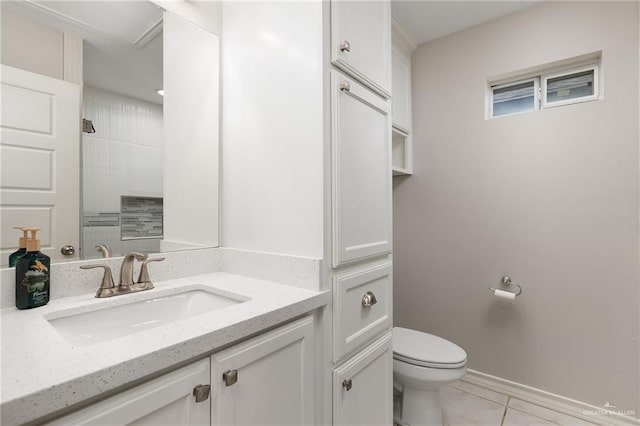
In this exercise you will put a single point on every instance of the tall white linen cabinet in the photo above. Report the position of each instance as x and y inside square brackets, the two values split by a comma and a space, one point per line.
[306, 89]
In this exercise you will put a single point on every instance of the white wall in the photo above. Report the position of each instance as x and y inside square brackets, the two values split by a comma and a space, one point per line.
[191, 127]
[31, 46]
[548, 197]
[125, 156]
[272, 127]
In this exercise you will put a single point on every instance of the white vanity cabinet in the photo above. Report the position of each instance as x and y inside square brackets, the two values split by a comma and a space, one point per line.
[361, 41]
[268, 380]
[166, 400]
[361, 171]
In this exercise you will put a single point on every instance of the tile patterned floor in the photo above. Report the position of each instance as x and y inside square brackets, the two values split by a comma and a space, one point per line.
[464, 404]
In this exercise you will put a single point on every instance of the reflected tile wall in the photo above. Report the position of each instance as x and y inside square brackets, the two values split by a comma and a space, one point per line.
[141, 217]
[124, 157]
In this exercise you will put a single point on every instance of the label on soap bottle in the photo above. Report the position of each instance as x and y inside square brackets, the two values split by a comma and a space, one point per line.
[32, 281]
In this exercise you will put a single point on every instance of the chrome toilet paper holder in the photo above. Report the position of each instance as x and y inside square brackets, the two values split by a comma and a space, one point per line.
[507, 281]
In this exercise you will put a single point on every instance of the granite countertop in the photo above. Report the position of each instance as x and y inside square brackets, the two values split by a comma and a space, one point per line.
[43, 373]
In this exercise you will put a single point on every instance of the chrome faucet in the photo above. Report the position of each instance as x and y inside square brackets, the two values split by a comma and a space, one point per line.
[127, 285]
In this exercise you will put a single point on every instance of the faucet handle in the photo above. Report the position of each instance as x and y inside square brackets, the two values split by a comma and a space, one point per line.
[107, 288]
[143, 278]
[139, 256]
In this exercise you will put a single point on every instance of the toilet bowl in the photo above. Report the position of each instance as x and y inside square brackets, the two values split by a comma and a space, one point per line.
[422, 364]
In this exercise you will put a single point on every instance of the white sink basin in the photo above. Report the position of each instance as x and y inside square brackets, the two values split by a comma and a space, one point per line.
[104, 324]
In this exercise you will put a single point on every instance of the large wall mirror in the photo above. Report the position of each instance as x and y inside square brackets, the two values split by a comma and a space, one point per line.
[109, 127]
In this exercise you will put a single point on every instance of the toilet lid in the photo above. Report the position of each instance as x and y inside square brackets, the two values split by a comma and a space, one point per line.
[426, 350]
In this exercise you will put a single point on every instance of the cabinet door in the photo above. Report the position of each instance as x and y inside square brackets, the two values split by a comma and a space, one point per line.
[361, 41]
[401, 89]
[361, 171]
[363, 387]
[167, 400]
[267, 380]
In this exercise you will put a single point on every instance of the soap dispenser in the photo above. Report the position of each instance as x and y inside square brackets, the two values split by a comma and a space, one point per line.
[22, 246]
[32, 275]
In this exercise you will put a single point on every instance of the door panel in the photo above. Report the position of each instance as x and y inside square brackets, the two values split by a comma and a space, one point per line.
[274, 379]
[363, 387]
[361, 41]
[361, 171]
[40, 160]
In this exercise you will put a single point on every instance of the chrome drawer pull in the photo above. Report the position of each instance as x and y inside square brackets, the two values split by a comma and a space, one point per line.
[369, 299]
[345, 46]
[345, 86]
[347, 384]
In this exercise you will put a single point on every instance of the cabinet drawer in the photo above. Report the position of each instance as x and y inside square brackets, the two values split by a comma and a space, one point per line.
[363, 387]
[362, 303]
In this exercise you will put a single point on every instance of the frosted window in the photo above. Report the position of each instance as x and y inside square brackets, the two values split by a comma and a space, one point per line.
[544, 89]
[570, 86]
[514, 98]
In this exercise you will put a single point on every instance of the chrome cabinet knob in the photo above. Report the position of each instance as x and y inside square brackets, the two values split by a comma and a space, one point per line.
[347, 384]
[68, 250]
[369, 299]
[345, 86]
[345, 46]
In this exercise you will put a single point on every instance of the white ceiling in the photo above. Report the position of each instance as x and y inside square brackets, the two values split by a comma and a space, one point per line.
[426, 20]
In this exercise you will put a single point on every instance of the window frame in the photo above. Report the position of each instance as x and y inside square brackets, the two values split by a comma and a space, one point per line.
[536, 94]
[545, 77]
[542, 74]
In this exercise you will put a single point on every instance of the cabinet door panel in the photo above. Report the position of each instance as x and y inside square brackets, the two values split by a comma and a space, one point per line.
[361, 41]
[361, 172]
[167, 400]
[274, 379]
[401, 98]
[363, 387]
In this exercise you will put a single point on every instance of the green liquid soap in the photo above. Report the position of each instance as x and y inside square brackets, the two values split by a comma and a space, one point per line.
[13, 257]
[32, 276]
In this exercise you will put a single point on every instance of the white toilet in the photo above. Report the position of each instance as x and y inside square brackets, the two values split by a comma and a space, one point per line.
[422, 364]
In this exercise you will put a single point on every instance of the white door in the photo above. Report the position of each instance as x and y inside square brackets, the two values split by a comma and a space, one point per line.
[168, 400]
[361, 41]
[267, 380]
[363, 387]
[40, 160]
[361, 171]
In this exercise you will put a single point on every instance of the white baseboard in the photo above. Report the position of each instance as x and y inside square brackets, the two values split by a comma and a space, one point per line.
[571, 407]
